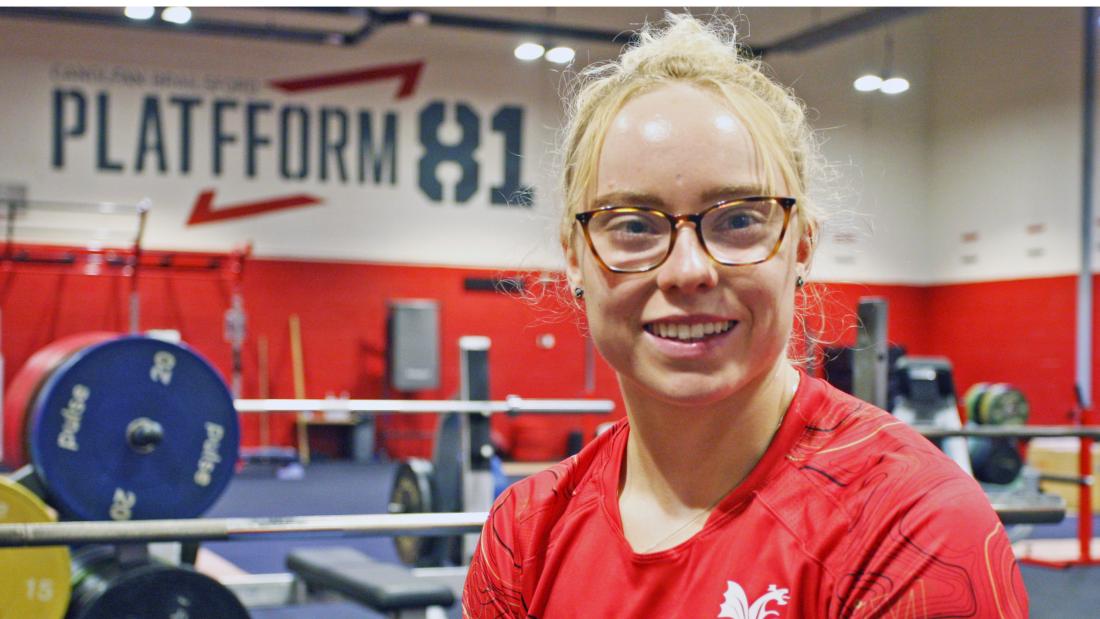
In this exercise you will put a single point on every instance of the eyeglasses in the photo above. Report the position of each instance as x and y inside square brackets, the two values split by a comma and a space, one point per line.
[635, 239]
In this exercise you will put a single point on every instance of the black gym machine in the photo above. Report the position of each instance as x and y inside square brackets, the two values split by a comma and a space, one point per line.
[921, 392]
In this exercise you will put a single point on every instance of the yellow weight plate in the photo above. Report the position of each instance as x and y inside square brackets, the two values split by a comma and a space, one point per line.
[1003, 404]
[972, 399]
[34, 582]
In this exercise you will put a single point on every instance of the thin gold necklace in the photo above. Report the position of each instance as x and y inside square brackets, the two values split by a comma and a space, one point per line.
[707, 509]
[694, 518]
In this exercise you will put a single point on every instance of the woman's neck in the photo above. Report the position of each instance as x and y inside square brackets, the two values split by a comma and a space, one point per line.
[686, 458]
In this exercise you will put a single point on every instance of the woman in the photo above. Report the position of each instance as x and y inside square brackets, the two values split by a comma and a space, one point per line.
[737, 486]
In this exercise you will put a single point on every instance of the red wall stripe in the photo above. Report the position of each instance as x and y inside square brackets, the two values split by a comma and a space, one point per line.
[1016, 331]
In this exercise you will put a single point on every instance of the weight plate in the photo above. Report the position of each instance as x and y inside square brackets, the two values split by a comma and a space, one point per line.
[1003, 404]
[103, 588]
[24, 386]
[134, 428]
[34, 582]
[994, 460]
[447, 456]
[973, 398]
[414, 493]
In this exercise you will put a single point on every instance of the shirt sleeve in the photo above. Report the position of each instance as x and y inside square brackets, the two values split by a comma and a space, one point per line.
[940, 551]
[493, 582]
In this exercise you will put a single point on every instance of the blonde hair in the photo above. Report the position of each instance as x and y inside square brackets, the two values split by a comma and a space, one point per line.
[686, 50]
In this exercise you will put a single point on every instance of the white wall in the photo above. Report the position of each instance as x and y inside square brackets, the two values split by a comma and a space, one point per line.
[972, 175]
[987, 141]
[361, 221]
[1005, 143]
[877, 145]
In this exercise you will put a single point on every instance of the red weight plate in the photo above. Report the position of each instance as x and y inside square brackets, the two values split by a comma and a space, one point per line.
[21, 393]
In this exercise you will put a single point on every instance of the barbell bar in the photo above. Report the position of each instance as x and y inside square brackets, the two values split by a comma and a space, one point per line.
[512, 405]
[1037, 513]
[1080, 480]
[1092, 432]
[365, 525]
[230, 529]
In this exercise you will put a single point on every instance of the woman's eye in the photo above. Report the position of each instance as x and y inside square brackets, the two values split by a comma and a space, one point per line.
[633, 225]
[739, 220]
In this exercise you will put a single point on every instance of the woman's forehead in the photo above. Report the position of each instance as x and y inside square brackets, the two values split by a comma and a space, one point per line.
[677, 135]
[654, 114]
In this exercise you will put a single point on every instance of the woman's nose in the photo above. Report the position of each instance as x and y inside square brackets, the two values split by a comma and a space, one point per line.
[688, 267]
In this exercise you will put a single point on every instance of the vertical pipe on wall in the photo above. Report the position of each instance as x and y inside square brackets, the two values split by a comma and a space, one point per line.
[1084, 281]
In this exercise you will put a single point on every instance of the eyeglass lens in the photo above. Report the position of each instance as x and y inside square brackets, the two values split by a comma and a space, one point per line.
[737, 233]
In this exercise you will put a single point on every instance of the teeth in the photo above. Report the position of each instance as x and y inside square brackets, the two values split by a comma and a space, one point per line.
[690, 332]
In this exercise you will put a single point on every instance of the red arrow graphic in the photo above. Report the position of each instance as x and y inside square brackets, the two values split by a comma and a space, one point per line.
[204, 212]
[409, 74]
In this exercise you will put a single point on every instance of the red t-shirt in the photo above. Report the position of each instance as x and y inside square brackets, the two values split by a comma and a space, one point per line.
[850, 513]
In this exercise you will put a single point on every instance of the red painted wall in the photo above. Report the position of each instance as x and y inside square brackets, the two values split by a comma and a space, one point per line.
[342, 308]
[831, 316]
[1019, 332]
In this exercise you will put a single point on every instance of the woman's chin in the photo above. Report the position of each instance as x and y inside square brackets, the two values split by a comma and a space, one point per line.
[690, 388]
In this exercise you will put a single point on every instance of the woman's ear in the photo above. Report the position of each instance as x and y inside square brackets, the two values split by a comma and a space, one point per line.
[573, 266]
[807, 243]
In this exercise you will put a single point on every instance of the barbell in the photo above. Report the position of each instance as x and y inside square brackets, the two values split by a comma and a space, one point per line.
[996, 404]
[512, 405]
[232, 529]
[134, 427]
[337, 526]
[123, 428]
[1024, 432]
[34, 582]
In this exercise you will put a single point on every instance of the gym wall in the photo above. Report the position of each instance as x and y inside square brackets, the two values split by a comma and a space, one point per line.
[967, 188]
[942, 197]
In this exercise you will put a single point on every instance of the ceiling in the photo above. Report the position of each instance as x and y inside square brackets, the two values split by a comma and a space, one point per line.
[469, 30]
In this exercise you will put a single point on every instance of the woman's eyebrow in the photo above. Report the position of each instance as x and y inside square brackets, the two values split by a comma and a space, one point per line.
[725, 192]
[730, 192]
[629, 198]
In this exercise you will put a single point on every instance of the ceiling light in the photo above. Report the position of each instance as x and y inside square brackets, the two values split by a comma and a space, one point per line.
[561, 54]
[529, 51]
[176, 14]
[894, 85]
[139, 12]
[867, 83]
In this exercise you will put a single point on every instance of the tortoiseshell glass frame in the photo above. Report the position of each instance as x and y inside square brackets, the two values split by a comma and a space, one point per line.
[787, 204]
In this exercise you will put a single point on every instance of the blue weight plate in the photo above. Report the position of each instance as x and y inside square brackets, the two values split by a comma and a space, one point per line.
[93, 433]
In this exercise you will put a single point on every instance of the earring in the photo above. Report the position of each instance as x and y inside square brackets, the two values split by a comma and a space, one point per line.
[798, 283]
[578, 292]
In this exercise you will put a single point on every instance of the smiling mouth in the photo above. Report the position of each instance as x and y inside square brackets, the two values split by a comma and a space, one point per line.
[689, 332]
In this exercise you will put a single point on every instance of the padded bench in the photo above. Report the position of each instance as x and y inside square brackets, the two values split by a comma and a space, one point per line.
[383, 587]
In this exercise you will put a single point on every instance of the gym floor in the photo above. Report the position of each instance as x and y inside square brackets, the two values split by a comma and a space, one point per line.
[347, 488]
[334, 487]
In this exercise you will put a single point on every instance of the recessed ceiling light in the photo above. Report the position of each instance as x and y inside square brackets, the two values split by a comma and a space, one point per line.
[867, 83]
[139, 12]
[894, 85]
[529, 51]
[561, 54]
[176, 14]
